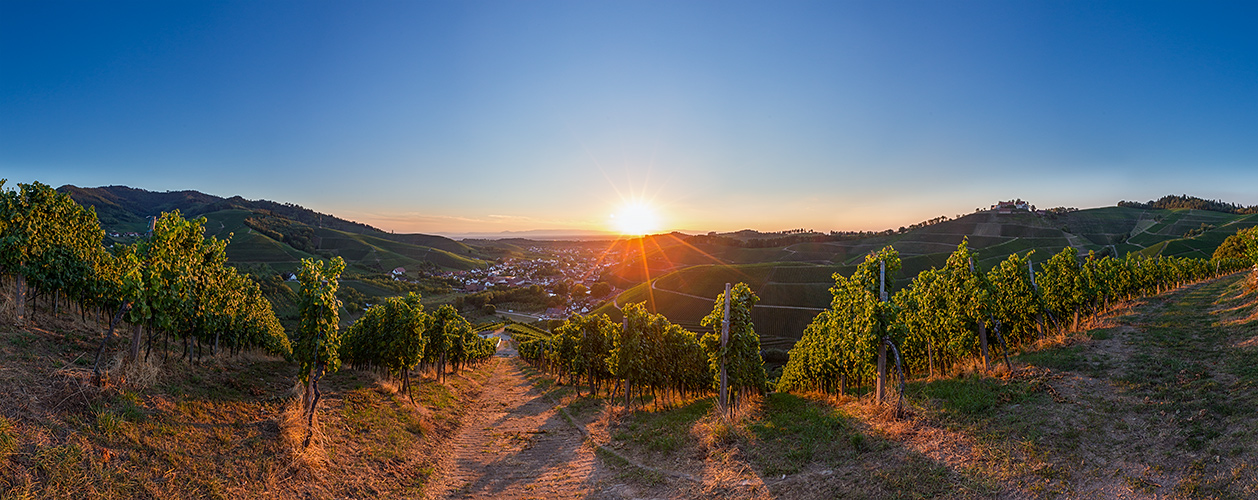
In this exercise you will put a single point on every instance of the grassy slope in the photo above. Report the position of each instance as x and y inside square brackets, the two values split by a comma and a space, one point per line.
[380, 253]
[211, 430]
[249, 246]
[801, 274]
[377, 252]
[1157, 399]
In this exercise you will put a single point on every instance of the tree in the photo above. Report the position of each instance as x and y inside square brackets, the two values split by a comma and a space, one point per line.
[843, 341]
[390, 337]
[47, 241]
[1062, 285]
[601, 289]
[1014, 300]
[741, 352]
[944, 309]
[447, 340]
[580, 347]
[318, 341]
[1242, 245]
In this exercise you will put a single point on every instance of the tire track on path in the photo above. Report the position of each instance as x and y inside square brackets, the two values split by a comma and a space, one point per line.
[514, 445]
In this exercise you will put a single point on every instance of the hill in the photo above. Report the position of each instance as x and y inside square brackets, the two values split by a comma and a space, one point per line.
[126, 208]
[1152, 399]
[276, 234]
[793, 279]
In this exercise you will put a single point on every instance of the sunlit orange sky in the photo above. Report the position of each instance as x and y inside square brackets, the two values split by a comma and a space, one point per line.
[482, 117]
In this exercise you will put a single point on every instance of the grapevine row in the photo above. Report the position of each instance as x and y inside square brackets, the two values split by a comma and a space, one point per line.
[647, 354]
[945, 314]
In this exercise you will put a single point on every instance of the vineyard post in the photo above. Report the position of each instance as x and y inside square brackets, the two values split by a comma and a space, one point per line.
[1039, 317]
[899, 368]
[624, 381]
[137, 338]
[982, 332]
[882, 280]
[20, 296]
[725, 340]
[880, 391]
[1004, 347]
[982, 341]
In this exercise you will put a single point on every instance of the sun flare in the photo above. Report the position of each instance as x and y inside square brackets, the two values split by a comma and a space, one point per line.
[636, 219]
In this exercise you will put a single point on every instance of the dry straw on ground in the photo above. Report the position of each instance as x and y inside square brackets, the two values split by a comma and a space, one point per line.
[294, 428]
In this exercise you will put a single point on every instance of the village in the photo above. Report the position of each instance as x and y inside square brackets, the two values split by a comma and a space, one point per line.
[570, 276]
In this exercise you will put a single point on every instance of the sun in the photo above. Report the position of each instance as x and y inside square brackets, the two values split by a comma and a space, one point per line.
[636, 219]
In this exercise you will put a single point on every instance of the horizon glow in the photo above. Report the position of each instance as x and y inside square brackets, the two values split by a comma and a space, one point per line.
[481, 117]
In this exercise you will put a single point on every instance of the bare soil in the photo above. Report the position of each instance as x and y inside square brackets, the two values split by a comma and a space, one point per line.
[513, 444]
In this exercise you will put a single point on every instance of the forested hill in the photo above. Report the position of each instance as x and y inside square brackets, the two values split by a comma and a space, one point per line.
[1173, 202]
[122, 208]
[275, 234]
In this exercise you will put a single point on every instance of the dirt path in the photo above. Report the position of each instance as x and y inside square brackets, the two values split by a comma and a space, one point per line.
[514, 445]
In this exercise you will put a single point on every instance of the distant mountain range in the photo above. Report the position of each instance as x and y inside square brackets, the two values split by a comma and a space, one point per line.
[275, 234]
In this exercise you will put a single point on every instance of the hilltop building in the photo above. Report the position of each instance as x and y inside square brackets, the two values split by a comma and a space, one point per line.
[1008, 207]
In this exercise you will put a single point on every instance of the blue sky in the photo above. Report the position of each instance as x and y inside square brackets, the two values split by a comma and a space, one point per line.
[453, 117]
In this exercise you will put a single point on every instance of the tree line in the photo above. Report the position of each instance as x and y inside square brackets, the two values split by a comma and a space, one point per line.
[1174, 202]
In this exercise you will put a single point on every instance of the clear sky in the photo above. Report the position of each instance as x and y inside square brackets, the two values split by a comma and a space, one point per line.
[467, 116]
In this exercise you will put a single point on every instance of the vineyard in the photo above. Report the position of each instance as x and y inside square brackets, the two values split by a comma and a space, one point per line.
[944, 317]
[952, 339]
[174, 287]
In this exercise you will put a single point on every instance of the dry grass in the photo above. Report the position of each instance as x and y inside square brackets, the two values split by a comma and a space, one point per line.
[717, 430]
[1151, 399]
[228, 427]
[7, 304]
[294, 428]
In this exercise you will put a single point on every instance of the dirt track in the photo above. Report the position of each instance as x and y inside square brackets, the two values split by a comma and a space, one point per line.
[513, 444]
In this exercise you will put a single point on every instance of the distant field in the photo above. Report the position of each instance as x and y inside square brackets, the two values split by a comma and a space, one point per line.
[364, 250]
[709, 281]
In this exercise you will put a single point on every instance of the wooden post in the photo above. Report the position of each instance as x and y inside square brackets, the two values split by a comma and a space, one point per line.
[899, 369]
[1039, 317]
[137, 336]
[982, 332]
[982, 342]
[624, 327]
[1004, 347]
[724, 341]
[880, 390]
[882, 280]
[20, 298]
